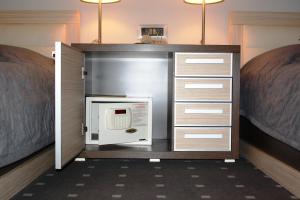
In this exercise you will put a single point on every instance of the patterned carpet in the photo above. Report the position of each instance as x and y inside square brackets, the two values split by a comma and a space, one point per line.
[169, 179]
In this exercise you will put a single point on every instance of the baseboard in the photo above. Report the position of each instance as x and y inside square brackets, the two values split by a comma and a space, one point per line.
[19, 177]
[282, 173]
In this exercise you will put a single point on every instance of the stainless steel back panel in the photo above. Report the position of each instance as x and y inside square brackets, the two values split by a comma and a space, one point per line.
[138, 74]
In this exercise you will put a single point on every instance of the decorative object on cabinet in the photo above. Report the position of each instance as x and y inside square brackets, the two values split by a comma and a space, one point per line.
[152, 34]
[203, 2]
[100, 2]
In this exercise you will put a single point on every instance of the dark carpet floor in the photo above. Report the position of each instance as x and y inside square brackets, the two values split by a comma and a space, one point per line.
[169, 179]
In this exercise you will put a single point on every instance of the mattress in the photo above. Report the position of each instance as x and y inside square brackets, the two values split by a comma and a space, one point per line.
[26, 103]
[270, 93]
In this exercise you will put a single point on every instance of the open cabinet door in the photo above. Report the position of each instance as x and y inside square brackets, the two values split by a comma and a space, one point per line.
[69, 104]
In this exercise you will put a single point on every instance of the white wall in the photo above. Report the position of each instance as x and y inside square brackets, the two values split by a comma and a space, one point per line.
[120, 21]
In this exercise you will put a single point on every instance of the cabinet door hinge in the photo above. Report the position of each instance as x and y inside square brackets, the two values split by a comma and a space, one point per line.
[53, 54]
[83, 129]
[83, 73]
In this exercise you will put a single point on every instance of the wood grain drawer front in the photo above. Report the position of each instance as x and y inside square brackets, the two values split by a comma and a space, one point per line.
[202, 139]
[203, 89]
[203, 114]
[203, 64]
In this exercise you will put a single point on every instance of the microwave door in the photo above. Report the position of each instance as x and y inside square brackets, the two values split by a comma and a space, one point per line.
[117, 126]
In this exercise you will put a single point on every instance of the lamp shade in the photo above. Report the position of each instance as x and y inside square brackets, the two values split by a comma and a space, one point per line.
[103, 1]
[201, 1]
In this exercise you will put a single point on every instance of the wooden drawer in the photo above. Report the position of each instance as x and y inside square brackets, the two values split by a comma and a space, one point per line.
[203, 64]
[202, 139]
[202, 114]
[203, 89]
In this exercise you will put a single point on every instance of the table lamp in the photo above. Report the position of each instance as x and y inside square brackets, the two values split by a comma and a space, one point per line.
[100, 2]
[203, 2]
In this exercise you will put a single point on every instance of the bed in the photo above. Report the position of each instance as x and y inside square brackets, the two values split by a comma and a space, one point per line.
[27, 92]
[270, 92]
[270, 98]
[26, 103]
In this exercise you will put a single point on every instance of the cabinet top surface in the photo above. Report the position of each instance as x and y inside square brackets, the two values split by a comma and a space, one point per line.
[86, 47]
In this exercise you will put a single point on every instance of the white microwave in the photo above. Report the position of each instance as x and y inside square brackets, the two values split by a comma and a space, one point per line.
[118, 120]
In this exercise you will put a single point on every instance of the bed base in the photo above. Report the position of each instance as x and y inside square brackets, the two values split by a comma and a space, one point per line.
[17, 176]
[276, 159]
[282, 173]
[259, 139]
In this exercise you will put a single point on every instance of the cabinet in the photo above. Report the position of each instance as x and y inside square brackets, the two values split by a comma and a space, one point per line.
[202, 123]
[194, 91]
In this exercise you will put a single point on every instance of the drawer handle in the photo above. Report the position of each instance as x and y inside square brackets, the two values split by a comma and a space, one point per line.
[203, 86]
[203, 111]
[204, 61]
[203, 136]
